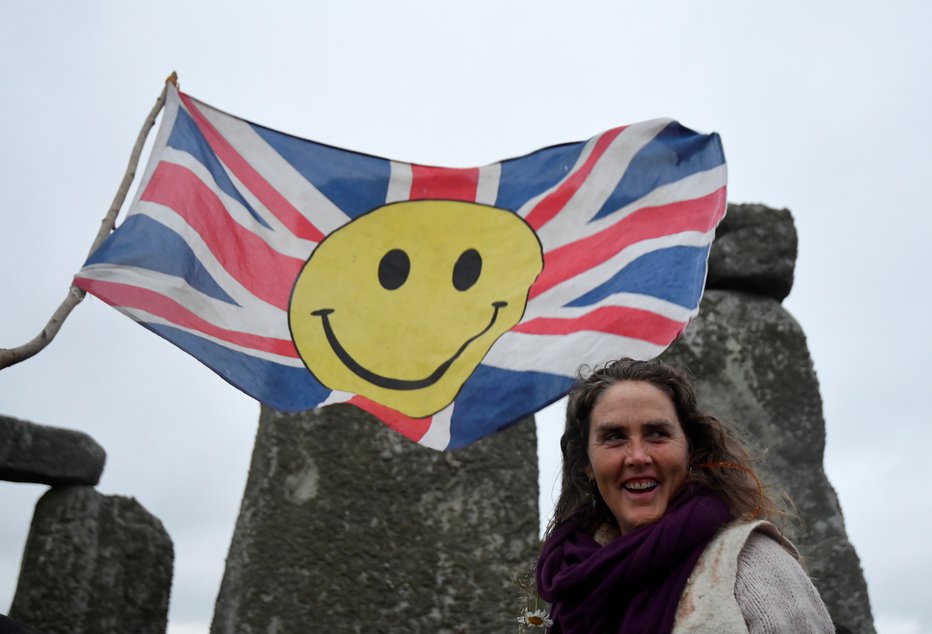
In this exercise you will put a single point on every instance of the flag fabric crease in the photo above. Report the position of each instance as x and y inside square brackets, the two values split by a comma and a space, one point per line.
[447, 302]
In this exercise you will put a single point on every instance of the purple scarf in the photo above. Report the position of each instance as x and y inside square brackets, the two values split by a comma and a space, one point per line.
[632, 585]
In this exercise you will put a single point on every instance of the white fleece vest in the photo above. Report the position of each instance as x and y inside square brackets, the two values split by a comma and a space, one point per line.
[708, 604]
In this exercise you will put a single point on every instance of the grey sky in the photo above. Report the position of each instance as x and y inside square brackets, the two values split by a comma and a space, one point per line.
[823, 108]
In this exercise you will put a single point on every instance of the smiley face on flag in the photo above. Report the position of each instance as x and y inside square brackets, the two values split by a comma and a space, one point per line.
[401, 304]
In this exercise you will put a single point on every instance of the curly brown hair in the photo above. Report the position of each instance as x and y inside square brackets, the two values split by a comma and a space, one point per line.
[718, 460]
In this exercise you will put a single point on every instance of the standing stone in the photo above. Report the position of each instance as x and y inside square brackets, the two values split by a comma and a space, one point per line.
[754, 251]
[346, 526]
[753, 370]
[94, 564]
[48, 455]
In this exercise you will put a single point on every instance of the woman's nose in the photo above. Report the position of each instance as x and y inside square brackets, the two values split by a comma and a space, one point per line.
[638, 451]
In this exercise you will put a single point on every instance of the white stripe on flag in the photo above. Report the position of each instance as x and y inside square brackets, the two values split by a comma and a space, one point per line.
[336, 396]
[438, 434]
[649, 303]
[561, 354]
[399, 182]
[487, 188]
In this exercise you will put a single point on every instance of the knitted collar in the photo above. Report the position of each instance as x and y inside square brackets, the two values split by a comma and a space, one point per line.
[633, 584]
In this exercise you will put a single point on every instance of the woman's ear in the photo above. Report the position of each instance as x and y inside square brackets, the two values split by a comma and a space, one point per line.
[588, 471]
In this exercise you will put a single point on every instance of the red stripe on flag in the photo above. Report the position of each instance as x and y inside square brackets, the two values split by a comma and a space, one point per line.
[699, 214]
[444, 183]
[124, 295]
[250, 177]
[413, 428]
[553, 203]
[635, 323]
[268, 274]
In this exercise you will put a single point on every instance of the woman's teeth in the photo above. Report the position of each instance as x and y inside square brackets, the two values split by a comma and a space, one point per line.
[640, 486]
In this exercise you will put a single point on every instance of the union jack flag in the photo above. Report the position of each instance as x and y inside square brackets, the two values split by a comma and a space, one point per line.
[228, 214]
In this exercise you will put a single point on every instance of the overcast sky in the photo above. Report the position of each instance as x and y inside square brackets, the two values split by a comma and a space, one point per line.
[823, 108]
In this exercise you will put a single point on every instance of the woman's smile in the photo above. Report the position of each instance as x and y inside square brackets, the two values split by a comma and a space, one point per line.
[640, 486]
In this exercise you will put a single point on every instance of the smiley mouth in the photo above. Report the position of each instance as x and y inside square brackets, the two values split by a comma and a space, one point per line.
[387, 381]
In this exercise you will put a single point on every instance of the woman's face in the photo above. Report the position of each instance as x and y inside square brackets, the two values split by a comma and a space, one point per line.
[638, 452]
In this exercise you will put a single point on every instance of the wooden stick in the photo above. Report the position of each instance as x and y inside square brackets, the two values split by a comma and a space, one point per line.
[12, 356]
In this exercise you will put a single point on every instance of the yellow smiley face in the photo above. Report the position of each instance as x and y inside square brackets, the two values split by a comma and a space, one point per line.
[401, 304]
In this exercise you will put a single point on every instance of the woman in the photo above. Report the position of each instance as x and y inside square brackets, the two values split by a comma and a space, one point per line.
[661, 524]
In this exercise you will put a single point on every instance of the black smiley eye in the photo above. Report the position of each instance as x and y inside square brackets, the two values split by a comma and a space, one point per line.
[393, 269]
[467, 269]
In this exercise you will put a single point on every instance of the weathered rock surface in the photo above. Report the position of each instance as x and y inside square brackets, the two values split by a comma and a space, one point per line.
[754, 251]
[48, 455]
[94, 564]
[753, 369]
[346, 526]
[12, 626]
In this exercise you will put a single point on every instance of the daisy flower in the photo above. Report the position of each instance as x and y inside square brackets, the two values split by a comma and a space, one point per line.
[535, 618]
